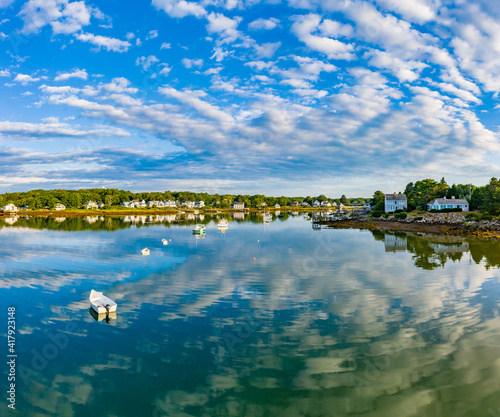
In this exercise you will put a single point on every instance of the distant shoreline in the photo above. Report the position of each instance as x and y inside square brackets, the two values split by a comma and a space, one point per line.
[151, 212]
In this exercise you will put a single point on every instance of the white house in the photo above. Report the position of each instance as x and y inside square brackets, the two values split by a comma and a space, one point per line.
[305, 204]
[326, 204]
[134, 203]
[316, 204]
[238, 205]
[11, 208]
[59, 206]
[90, 205]
[277, 206]
[156, 203]
[448, 203]
[200, 204]
[395, 202]
[188, 204]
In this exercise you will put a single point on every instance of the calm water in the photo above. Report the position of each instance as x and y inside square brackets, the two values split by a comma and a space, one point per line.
[321, 323]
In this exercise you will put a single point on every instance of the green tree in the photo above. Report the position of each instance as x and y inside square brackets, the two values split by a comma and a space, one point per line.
[344, 200]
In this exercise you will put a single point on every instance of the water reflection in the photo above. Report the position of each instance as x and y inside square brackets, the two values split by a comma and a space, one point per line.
[433, 251]
[338, 323]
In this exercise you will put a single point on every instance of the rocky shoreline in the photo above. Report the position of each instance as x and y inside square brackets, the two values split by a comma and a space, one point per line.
[440, 223]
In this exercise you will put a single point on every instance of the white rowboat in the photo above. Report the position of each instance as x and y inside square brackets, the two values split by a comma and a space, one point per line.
[100, 303]
[164, 241]
[145, 251]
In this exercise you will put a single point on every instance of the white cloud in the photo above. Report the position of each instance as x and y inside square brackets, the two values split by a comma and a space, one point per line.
[192, 99]
[212, 71]
[25, 79]
[4, 73]
[5, 3]
[179, 8]
[266, 50]
[53, 128]
[152, 34]
[146, 62]
[119, 85]
[129, 36]
[110, 44]
[190, 63]
[305, 26]
[165, 45]
[77, 73]
[263, 24]
[3, 36]
[165, 70]
[224, 26]
[405, 71]
[64, 17]
[418, 11]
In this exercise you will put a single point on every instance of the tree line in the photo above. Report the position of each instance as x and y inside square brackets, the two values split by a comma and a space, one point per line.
[112, 197]
[485, 198]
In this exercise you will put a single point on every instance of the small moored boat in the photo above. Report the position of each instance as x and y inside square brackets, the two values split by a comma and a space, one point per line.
[100, 303]
[145, 251]
[164, 241]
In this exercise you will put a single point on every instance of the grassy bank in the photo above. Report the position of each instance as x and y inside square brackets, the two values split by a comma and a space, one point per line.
[116, 211]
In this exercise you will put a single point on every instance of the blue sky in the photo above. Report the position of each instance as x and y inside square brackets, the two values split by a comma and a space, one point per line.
[294, 97]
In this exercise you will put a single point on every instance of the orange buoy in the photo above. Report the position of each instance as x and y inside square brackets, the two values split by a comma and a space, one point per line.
[254, 259]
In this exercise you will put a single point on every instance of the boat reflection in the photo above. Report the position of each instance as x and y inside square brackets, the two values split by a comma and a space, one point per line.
[104, 316]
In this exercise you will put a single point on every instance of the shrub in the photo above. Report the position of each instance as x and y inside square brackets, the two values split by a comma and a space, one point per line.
[402, 215]
[418, 218]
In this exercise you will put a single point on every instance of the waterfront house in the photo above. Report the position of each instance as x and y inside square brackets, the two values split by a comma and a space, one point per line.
[395, 202]
[448, 203]
[9, 208]
[135, 203]
[277, 206]
[305, 204]
[326, 204]
[238, 205]
[316, 204]
[294, 204]
[188, 204]
[90, 205]
[59, 207]
[200, 204]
